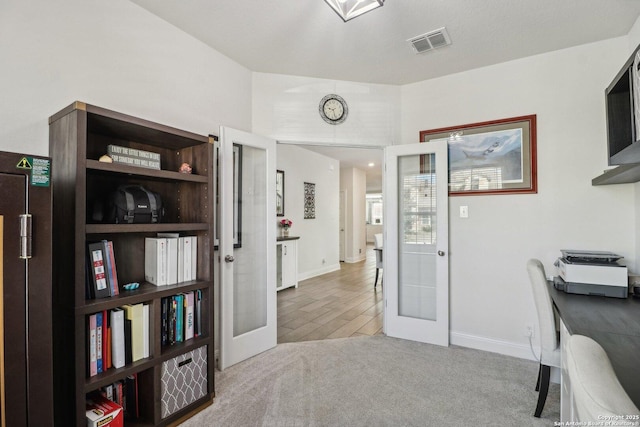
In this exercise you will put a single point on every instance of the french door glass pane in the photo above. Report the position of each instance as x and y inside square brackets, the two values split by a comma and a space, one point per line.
[417, 236]
[249, 272]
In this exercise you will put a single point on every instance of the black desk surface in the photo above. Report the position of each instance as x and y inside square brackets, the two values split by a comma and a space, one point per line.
[614, 323]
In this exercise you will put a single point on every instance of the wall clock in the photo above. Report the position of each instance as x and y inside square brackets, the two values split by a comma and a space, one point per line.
[333, 109]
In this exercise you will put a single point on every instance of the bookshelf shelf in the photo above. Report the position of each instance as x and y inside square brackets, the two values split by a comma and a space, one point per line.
[78, 136]
[116, 168]
[144, 293]
[114, 374]
[144, 228]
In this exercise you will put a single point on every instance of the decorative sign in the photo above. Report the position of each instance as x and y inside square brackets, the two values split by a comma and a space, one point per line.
[309, 200]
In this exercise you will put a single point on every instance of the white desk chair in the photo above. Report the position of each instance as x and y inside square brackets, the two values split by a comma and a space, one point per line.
[597, 392]
[377, 248]
[549, 337]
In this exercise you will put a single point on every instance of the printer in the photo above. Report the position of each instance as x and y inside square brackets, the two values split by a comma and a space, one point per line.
[591, 273]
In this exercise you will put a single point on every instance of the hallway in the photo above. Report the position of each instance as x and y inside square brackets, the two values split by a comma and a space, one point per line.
[335, 305]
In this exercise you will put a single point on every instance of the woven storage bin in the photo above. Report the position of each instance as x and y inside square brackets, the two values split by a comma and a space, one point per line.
[184, 380]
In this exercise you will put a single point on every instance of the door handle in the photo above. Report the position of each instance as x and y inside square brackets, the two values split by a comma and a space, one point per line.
[440, 253]
[229, 258]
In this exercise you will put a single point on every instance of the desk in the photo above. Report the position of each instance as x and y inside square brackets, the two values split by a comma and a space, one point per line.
[612, 322]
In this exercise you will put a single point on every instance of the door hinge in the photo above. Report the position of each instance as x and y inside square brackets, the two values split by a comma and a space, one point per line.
[25, 236]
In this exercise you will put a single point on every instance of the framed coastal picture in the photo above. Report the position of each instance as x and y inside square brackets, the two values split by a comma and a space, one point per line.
[495, 157]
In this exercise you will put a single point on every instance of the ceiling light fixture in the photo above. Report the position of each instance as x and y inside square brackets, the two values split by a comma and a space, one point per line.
[349, 9]
[371, 164]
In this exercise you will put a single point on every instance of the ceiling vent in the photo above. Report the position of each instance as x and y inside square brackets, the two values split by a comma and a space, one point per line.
[431, 40]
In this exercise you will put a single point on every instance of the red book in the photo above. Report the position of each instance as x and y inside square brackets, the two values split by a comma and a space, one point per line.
[108, 347]
[102, 412]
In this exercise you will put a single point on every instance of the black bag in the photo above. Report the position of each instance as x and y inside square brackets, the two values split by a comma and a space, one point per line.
[134, 204]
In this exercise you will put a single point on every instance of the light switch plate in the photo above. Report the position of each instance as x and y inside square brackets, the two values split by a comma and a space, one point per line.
[464, 211]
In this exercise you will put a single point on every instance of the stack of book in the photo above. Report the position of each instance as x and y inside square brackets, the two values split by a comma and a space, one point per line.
[117, 337]
[103, 412]
[170, 259]
[102, 277]
[124, 393]
[134, 157]
[181, 317]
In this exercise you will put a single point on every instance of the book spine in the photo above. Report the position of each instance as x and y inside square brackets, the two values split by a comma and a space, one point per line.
[145, 330]
[172, 321]
[163, 322]
[155, 271]
[106, 359]
[187, 258]
[99, 367]
[114, 287]
[118, 338]
[136, 161]
[194, 257]
[113, 149]
[181, 277]
[128, 355]
[135, 314]
[92, 348]
[172, 260]
[107, 352]
[179, 318]
[188, 316]
[107, 266]
[198, 303]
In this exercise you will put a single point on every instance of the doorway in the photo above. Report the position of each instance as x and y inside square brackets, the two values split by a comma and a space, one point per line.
[335, 296]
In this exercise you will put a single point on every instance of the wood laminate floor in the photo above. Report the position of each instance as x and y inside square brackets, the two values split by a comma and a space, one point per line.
[335, 305]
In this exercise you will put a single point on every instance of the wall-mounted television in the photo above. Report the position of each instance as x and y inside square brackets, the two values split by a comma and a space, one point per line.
[622, 99]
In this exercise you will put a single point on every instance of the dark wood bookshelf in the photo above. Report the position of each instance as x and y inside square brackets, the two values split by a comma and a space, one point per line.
[78, 136]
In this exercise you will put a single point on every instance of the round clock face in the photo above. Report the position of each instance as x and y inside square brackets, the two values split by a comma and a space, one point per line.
[333, 109]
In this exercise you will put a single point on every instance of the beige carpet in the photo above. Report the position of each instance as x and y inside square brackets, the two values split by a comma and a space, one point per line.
[377, 381]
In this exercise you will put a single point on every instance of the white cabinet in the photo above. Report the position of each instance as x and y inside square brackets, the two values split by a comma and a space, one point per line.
[287, 260]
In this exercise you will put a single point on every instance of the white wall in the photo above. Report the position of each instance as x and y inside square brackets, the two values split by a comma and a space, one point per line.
[354, 182]
[115, 55]
[318, 246]
[286, 108]
[490, 299]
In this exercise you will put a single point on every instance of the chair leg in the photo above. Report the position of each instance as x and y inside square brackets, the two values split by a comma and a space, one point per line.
[538, 380]
[544, 389]
[375, 282]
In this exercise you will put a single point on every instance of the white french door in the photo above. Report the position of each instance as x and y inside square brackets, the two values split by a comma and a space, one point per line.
[247, 243]
[415, 249]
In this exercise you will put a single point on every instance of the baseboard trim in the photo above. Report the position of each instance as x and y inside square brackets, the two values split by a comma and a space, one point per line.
[521, 351]
[318, 272]
[354, 260]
